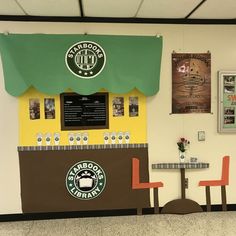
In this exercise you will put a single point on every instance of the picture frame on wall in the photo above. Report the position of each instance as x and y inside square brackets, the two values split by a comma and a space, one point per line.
[227, 101]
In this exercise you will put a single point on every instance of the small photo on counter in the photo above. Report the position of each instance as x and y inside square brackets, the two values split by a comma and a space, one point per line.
[34, 108]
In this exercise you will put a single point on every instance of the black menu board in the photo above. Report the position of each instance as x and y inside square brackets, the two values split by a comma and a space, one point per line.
[84, 111]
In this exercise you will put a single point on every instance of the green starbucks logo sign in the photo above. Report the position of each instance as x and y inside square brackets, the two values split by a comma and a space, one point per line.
[85, 59]
[85, 180]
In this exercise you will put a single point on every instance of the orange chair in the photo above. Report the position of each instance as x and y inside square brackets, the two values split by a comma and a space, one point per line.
[137, 185]
[222, 182]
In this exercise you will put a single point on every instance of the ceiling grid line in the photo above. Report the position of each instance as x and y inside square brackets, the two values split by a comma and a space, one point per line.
[117, 20]
[195, 9]
[139, 7]
[81, 6]
[21, 7]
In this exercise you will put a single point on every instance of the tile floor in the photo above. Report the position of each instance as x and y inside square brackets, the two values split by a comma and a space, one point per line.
[215, 223]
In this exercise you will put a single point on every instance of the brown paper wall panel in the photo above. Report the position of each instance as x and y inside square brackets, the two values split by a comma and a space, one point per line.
[43, 175]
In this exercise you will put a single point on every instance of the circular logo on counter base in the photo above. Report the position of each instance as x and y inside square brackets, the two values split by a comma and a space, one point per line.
[85, 59]
[85, 180]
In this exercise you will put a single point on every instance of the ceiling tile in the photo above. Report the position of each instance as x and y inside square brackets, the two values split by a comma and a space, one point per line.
[167, 8]
[51, 7]
[10, 7]
[216, 9]
[110, 8]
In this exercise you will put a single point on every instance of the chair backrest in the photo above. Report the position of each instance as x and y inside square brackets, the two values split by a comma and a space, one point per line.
[136, 184]
[225, 170]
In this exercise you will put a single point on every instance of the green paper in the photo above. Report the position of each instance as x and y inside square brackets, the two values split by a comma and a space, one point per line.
[38, 60]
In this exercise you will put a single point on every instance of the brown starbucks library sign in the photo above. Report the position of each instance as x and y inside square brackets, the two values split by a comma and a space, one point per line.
[80, 112]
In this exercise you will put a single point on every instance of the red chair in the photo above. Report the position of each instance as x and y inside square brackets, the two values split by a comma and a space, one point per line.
[137, 185]
[222, 182]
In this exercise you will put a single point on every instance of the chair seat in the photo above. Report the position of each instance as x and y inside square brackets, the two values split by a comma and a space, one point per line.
[212, 183]
[147, 185]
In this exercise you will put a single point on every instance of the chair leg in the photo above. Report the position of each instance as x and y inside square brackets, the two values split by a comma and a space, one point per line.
[208, 198]
[223, 198]
[156, 201]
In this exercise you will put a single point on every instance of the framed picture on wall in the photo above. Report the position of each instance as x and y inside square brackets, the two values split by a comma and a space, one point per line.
[226, 101]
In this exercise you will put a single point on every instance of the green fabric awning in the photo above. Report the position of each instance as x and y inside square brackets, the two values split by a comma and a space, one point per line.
[39, 60]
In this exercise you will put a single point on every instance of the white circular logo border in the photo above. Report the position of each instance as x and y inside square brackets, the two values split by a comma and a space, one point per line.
[83, 77]
[86, 199]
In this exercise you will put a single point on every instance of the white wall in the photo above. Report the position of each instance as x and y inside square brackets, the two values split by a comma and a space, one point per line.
[163, 129]
[9, 165]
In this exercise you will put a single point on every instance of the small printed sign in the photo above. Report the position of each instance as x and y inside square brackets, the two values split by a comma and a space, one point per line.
[85, 180]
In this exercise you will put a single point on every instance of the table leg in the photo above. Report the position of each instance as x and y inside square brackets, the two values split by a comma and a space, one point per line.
[182, 170]
[183, 205]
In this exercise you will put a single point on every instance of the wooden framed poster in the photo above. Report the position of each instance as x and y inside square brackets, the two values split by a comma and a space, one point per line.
[80, 112]
[226, 101]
